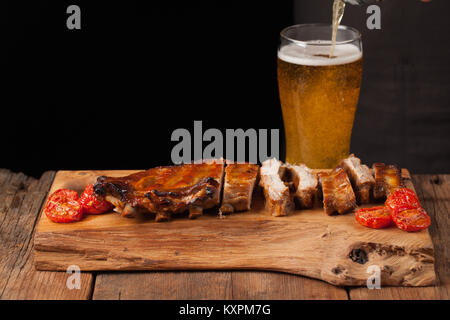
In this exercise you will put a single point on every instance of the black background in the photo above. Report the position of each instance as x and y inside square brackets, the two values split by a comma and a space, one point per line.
[169, 309]
[108, 96]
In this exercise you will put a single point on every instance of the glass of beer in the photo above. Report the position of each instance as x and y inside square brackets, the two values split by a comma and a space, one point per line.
[318, 92]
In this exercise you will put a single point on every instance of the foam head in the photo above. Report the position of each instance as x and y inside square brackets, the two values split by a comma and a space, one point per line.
[317, 54]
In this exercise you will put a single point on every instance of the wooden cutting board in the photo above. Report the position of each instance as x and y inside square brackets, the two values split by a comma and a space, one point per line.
[335, 249]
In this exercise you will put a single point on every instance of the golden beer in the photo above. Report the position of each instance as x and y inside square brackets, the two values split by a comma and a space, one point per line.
[319, 96]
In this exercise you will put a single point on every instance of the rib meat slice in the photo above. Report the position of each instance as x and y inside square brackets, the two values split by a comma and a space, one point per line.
[337, 191]
[165, 190]
[305, 184]
[278, 199]
[360, 177]
[240, 179]
[387, 179]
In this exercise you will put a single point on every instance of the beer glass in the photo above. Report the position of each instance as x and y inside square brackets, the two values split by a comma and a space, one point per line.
[318, 93]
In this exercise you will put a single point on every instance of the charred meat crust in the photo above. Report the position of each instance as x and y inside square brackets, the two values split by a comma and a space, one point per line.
[203, 191]
[169, 189]
[103, 187]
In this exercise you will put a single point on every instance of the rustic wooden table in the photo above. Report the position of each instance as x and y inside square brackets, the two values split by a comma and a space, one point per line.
[21, 198]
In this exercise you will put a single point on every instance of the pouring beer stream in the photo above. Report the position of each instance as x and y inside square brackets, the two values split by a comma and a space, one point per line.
[338, 13]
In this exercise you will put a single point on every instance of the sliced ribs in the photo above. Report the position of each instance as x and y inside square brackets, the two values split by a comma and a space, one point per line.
[387, 179]
[165, 190]
[279, 201]
[338, 195]
[360, 177]
[305, 185]
[240, 179]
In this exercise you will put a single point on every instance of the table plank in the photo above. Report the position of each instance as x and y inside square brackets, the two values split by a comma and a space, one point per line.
[21, 198]
[249, 285]
[434, 194]
[163, 285]
[236, 285]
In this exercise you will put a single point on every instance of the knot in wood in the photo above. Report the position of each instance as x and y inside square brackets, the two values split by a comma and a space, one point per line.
[358, 256]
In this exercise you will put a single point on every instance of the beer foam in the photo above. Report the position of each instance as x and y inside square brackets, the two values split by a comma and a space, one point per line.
[317, 55]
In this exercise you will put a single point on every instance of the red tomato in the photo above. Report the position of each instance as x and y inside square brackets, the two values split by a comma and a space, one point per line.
[412, 219]
[63, 195]
[63, 206]
[376, 217]
[402, 199]
[91, 204]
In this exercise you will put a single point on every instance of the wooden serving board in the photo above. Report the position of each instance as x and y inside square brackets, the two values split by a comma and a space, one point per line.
[335, 249]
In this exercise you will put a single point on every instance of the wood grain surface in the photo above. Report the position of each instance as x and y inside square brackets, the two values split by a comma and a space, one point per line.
[234, 285]
[434, 195]
[433, 191]
[307, 243]
[21, 198]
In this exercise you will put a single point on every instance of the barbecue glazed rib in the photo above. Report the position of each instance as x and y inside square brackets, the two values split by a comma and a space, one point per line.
[360, 177]
[305, 185]
[165, 190]
[278, 198]
[387, 179]
[240, 179]
[337, 192]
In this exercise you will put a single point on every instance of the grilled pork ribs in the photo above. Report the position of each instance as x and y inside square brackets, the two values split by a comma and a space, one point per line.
[305, 185]
[387, 179]
[196, 187]
[360, 177]
[165, 190]
[240, 179]
[279, 200]
[338, 195]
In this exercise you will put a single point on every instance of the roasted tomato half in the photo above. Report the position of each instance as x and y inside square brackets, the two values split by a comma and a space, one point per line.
[63, 206]
[376, 217]
[402, 199]
[91, 204]
[412, 219]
